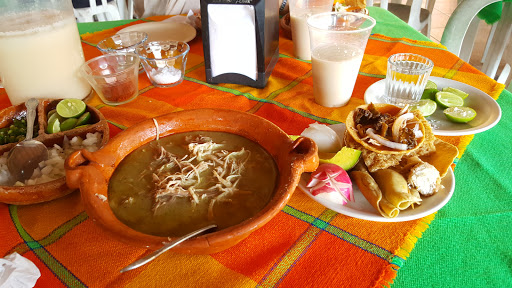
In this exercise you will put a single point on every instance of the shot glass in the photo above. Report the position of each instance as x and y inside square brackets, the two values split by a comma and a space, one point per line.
[406, 77]
[300, 10]
[122, 42]
[115, 77]
[338, 41]
[164, 62]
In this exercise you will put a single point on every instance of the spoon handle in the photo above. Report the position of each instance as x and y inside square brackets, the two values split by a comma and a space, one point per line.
[31, 105]
[166, 247]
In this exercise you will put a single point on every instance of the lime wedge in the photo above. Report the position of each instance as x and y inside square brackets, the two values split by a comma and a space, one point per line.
[427, 107]
[70, 108]
[55, 115]
[430, 85]
[447, 100]
[460, 114]
[53, 125]
[51, 113]
[429, 93]
[84, 119]
[456, 91]
[68, 124]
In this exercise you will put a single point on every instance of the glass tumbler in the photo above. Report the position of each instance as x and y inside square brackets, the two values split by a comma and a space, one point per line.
[164, 62]
[115, 77]
[122, 42]
[406, 77]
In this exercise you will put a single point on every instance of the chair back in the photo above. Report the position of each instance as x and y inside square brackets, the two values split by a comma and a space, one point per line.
[410, 12]
[107, 11]
[459, 23]
[460, 33]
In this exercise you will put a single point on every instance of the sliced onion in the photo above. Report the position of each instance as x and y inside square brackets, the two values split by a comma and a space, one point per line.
[325, 138]
[400, 123]
[384, 141]
[417, 131]
[403, 110]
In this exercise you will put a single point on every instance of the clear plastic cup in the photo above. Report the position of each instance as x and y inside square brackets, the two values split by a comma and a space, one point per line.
[300, 10]
[122, 42]
[406, 77]
[338, 41]
[164, 62]
[115, 77]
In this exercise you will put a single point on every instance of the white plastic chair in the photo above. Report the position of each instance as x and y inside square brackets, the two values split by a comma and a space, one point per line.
[504, 75]
[125, 9]
[460, 33]
[412, 12]
[107, 11]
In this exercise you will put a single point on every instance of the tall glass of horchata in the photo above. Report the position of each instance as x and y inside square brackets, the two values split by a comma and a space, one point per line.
[338, 41]
[300, 10]
[40, 51]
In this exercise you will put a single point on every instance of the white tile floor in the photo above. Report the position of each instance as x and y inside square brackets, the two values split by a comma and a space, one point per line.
[442, 11]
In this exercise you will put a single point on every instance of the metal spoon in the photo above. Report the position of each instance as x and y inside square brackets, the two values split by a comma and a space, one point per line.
[26, 155]
[166, 247]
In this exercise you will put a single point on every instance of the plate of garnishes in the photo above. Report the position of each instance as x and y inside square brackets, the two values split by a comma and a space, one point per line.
[452, 108]
[63, 126]
[384, 164]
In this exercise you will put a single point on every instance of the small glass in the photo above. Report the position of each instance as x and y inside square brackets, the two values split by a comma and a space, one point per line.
[406, 77]
[122, 42]
[115, 77]
[164, 62]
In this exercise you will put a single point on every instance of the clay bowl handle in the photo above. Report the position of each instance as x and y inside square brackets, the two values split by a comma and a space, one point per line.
[305, 154]
[73, 165]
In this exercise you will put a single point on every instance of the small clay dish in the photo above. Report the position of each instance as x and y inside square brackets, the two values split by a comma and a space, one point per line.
[30, 194]
[91, 172]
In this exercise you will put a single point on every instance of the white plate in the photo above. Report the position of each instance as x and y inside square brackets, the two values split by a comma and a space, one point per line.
[362, 209]
[164, 31]
[488, 111]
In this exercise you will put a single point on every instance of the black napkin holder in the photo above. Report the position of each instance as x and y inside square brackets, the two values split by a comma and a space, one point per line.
[267, 42]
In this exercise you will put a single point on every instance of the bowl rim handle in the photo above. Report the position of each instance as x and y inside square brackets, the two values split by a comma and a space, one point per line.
[304, 152]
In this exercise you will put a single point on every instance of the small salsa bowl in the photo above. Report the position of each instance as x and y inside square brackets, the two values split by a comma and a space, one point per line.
[91, 172]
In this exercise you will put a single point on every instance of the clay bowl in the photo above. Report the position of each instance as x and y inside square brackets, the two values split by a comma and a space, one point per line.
[91, 172]
[30, 194]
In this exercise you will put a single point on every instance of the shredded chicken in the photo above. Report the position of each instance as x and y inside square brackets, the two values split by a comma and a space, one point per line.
[207, 171]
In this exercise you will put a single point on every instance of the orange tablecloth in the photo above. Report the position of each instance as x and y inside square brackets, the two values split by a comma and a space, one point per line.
[305, 245]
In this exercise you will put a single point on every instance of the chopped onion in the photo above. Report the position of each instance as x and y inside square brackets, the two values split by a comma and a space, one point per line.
[384, 141]
[400, 123]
